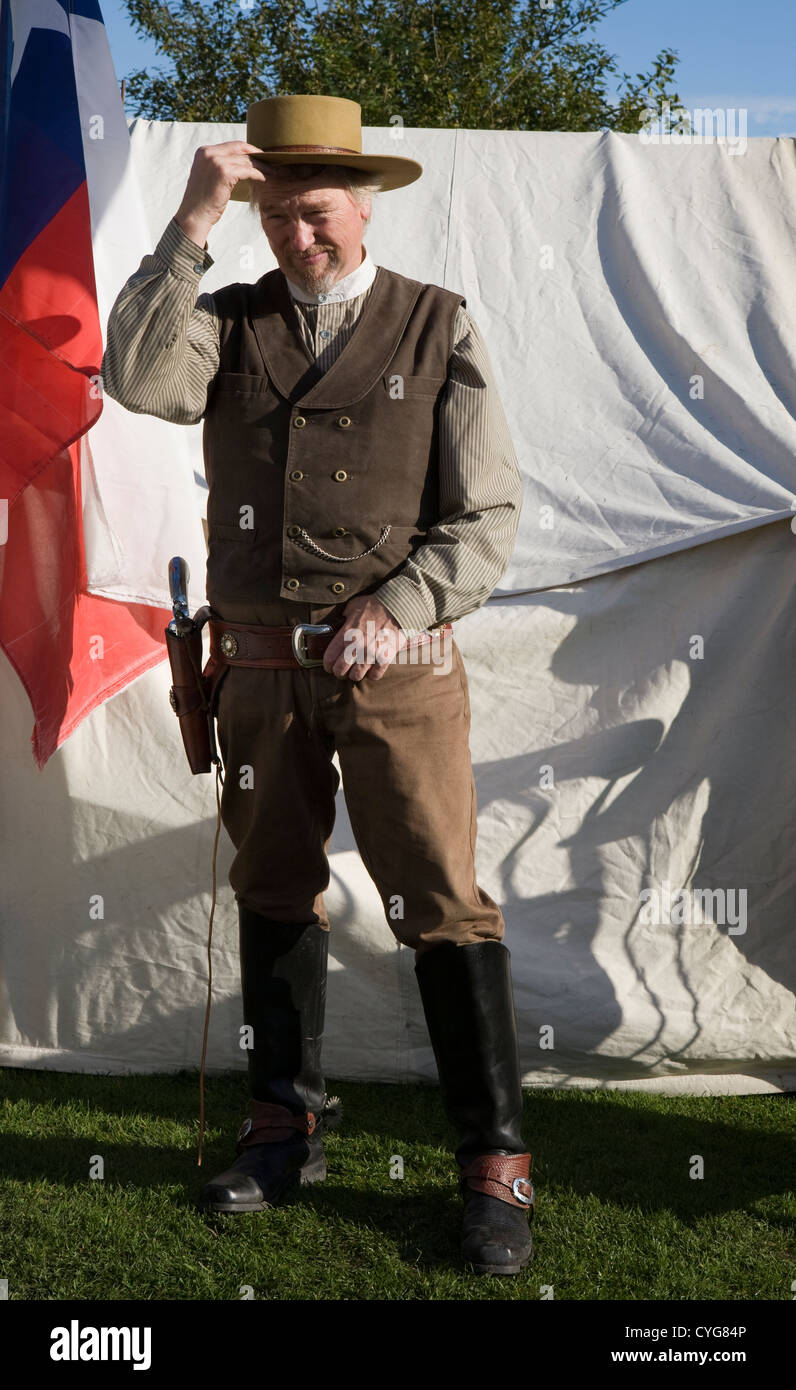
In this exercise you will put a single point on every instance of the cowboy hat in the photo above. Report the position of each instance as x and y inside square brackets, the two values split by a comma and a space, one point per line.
[318, 130]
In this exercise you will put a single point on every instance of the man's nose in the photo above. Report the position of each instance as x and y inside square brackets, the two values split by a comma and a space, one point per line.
[302, 236]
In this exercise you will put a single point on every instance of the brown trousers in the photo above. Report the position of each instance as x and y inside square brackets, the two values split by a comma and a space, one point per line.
[403, 747]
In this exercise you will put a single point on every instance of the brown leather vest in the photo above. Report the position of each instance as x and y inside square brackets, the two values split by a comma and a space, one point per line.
[322, 483]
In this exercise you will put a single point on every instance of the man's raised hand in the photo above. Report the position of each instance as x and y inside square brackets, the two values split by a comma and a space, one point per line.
[214, 172]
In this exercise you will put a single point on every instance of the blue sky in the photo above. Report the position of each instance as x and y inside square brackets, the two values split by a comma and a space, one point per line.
[732, 53]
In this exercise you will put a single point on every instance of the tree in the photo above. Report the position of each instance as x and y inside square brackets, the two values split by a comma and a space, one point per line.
[477, 64]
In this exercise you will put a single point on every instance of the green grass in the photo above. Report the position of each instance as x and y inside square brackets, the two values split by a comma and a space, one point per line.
[618, 1216]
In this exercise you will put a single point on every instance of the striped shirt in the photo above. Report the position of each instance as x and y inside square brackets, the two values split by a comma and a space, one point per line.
[163, 352]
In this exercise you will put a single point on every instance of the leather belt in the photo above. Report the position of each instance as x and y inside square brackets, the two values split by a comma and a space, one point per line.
[244, 644]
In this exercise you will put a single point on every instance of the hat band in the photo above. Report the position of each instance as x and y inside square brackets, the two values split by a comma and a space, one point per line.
[312, 149]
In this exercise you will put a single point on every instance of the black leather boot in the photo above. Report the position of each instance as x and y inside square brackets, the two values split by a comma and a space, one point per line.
[468, 1004]
[283, 983]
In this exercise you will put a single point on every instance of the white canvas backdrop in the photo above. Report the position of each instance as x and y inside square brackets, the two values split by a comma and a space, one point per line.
[667, 762]
[637, 301]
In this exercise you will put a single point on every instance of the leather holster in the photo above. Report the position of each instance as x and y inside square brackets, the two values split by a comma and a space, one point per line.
[193, 693]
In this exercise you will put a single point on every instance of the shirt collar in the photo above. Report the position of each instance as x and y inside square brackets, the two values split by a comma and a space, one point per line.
[349, 287]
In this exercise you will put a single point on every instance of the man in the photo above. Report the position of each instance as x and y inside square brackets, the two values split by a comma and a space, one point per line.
[361, 482]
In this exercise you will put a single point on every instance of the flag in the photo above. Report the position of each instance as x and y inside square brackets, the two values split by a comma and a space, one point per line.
[76, 626]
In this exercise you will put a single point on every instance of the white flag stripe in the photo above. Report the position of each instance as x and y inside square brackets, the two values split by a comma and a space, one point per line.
[140, 502]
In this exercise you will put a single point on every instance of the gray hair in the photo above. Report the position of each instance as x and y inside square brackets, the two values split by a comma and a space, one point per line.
[354, 181]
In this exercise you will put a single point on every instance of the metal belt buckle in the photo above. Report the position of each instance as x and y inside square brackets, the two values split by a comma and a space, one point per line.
[300, 644]
[521, 1196]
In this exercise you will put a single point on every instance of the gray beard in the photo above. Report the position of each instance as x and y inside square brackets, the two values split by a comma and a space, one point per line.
[313, 282]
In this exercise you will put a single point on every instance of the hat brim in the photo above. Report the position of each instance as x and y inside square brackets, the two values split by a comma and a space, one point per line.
[389, 171]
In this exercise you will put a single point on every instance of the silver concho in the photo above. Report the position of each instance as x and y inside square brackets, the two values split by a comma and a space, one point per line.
[229, 644]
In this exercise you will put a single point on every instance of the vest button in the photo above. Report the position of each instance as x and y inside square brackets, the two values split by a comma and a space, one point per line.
[291, 584]
[340, 531]
[296, 476]
[294, 530]
[338, 587]
[299, 422]
[344, 422]
[340, 476]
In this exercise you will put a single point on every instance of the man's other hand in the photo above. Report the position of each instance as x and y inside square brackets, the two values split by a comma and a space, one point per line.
[367, 642]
